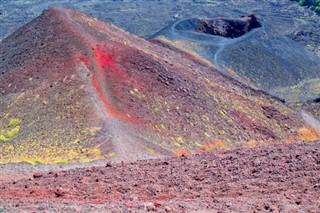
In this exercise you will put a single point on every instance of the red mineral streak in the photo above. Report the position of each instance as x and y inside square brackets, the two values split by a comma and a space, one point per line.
[97, 87]
[107, 65]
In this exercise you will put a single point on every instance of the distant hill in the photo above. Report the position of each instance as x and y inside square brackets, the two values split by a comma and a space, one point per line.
[312, 4]
[254, 48]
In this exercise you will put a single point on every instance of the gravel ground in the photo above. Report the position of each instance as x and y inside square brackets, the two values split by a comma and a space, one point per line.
[279, 178]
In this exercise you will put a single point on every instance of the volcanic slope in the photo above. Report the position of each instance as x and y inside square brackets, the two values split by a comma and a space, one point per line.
[77, 89]
[256, 48]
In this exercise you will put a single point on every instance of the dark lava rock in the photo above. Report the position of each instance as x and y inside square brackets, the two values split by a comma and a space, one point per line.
[230, 28]
[59, 192]
[37, 175]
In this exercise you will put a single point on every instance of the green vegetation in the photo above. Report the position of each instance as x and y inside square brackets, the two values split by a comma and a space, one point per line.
[312, 4]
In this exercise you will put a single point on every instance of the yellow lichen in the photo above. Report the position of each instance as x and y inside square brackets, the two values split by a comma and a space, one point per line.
[205, 118]
[3, 138]
[92, 131]
[33, 161]
[222, 112]
[151, 151]
[13, 132]
[111, 154]
[60, 161]
[207, 135]
[179, 140]
[13, 122]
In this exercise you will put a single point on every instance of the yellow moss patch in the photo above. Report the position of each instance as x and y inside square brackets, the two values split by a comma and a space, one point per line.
[198, 144]
[308, 134]
[111, 154]
[92, 131]
[179, 140]
[214, 145]
[3, 138]
[60, 161]
[162, 126]
[151, 151]
[222, 112]
[177, 144]
[205, 118]
[33, 161]
[13, 122]
[207, 135]
[13, 132]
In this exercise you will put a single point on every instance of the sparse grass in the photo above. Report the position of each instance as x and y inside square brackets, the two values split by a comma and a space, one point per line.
[13, 132]
[214, 145]
[3, 138]
[309, 134]
[151, 151]
[6, 135]
[92, 131]
[111, 154]
[60, 161]
[13, 122]
[33, 162]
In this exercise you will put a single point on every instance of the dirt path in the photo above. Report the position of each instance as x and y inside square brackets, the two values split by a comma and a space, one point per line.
[309, 119]
[127, 146]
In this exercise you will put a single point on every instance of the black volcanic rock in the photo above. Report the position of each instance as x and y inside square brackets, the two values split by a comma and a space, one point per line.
[230, 28]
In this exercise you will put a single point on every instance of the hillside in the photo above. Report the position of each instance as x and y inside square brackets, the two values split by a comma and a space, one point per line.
[255, 47]
[77, 89]
[312, 4]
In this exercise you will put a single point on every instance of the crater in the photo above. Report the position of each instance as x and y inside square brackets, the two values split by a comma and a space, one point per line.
[317, 100]
[229, 28]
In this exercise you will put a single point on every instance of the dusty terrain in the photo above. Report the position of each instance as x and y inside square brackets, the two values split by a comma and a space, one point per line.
[279, 178]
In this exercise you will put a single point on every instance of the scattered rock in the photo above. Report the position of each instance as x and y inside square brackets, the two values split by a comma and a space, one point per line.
[37, 175]
[59, 192]
[150, 207]
[168, 209]
[157, 203]
[229, 204]
[165, 163]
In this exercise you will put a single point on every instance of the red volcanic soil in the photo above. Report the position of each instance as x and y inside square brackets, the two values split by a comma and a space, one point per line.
[282, 178]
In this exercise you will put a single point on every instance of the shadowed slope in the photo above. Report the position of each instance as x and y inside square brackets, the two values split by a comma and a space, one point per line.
[77, 89]
[255, 49]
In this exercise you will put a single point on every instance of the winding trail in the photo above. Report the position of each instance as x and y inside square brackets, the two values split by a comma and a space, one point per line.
[122, 129]
[309, 119]
[184, 29]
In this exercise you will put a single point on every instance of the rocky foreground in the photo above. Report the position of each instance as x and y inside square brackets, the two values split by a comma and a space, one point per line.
[279, 178]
